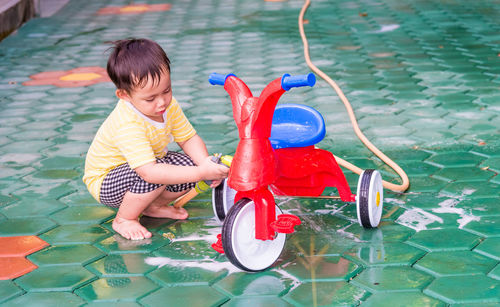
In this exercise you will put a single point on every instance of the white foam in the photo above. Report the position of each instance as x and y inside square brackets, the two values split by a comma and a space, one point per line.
[213, 229]
[394, 201]
[295, 281]
[387, 28]
[331, 209]
[349, 235]
[206, 264]
[214, 266]
[418, 219]
[466, 219]
[448, 206]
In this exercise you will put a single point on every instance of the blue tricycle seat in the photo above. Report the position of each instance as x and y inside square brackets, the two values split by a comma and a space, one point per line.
[296, 125]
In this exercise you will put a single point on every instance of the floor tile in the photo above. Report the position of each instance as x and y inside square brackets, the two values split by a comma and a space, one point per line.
[495, 273]
[488, 226]
[322, 268]
[323, 219]
[440, 264]
[25, 226]
[121, 265]
[182, 295]
[118, 303]
[55, 278]
[13, 267]
[117, 288]
[243, 284]
[474, 189]
[117, 244]
[456, 174]
[331, 293]
[382, 254]
[490, 247]
[310, 244]
[41, 208]
[46, 299]
[201, 208]
[83, 215]
[60, 162]
[401, 299]
[417, 168]
[80, 198]
[257, 301]
[36, 192]
[8, 290]
[192, 229]
[20, 246]
[188, 250]
[172, 275]
[465, 289]
[392, 278]
[386, 232]
[75, 234]
[481, 206]
[444, 240]
[81, 254]
[456, 159]
[5, 200]
[423, 184]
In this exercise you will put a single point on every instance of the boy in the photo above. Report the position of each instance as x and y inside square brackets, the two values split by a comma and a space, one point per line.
[128, 165]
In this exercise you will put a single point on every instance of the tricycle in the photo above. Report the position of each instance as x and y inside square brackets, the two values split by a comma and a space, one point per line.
[276, 155]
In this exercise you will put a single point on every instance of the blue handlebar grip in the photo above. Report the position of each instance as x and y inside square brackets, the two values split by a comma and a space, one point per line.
[218, 79]
[287, 81]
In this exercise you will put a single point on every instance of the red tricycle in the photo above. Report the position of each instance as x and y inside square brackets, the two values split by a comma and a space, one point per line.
[277, 154]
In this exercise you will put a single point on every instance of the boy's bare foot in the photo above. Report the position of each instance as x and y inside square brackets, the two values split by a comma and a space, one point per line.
[166, 211]
[130, 229]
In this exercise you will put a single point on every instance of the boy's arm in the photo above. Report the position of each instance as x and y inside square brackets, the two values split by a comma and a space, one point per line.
[195, 148]
[162, 173]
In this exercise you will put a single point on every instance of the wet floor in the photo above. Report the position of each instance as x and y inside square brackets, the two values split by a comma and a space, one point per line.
[424, 81]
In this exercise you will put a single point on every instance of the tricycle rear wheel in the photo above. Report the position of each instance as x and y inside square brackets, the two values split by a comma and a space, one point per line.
[222, 200]
[369, 198]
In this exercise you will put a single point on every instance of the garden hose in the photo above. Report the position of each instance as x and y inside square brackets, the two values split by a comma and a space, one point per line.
[391, 186]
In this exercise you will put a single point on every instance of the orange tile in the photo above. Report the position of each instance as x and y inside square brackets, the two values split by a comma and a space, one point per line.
[20, 246]
[81, 76]
[13, 267]
[133, 9]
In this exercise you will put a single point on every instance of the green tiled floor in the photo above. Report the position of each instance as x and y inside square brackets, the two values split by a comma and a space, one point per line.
[423, 77]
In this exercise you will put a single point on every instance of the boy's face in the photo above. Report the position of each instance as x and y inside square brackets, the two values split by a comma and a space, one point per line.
[152, 99]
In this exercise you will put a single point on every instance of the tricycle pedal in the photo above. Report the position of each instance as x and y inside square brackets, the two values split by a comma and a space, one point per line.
[285, 223]
[217, 246]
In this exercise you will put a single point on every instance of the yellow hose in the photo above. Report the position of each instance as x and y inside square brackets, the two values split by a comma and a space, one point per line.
[391, 186]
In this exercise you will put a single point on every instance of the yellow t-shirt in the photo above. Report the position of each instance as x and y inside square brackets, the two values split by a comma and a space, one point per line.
[128, 136]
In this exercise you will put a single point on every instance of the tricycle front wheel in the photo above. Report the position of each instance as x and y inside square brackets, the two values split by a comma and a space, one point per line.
[239, 242]
[369, 198]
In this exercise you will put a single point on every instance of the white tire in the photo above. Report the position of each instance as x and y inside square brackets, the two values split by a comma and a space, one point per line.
[239, 242]
[369, 198]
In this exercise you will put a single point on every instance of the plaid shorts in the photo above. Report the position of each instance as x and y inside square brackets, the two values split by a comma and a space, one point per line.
[122, 179]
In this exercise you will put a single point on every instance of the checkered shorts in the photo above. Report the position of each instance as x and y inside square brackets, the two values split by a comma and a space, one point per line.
[122, 179]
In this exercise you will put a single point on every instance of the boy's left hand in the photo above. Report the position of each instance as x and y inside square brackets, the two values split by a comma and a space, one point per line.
[215, 183]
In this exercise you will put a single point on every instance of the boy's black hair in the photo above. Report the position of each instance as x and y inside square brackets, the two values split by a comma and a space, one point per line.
[133, 61]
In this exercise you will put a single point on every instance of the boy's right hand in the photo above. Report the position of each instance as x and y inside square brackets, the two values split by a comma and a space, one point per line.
[212, 171]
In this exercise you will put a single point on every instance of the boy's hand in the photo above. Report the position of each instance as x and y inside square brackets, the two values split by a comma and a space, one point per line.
[213, 171]
[215, 183]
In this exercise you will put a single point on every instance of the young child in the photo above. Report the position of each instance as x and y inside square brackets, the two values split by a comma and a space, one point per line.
[128, 165]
